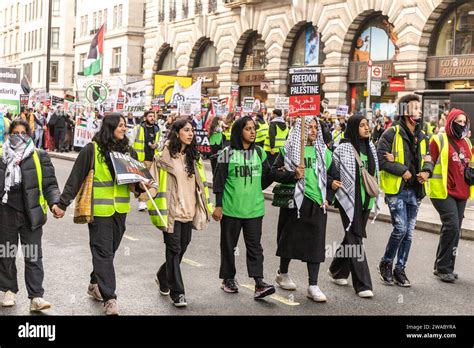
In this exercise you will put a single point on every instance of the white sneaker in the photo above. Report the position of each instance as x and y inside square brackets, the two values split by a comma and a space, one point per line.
[315, 293]
[340, 281]
[38, 304]
[284, 281]
[142, 206]
[366, 294]
[8, 299]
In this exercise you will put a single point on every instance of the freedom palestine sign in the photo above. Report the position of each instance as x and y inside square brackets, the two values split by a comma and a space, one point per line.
[96, 91]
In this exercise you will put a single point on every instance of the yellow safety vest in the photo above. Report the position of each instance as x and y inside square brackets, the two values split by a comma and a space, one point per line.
[227, 133]
[161, 200]
[262, 132]
[280, 139]
[108, 197]
[39, 174]
[139, 144]
[439, 180]
[391, 183]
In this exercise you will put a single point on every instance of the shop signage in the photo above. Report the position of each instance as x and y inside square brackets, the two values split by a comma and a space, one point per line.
[208, 79]
[251, 78]
[358, 71]
[397, 83]
[450, 68]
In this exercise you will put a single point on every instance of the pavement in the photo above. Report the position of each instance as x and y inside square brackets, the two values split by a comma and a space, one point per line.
[67, 263]
[427, 220]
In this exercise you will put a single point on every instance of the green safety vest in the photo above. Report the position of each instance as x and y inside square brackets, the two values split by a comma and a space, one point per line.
[243, 197]
[108, 197]
[391, 183]
[161, 200]
[139, 144]
[280, 139]
[262, 132]
[39, 174]
[439, 180]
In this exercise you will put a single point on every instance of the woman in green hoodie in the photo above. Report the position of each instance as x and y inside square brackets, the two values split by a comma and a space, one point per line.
[242, 173]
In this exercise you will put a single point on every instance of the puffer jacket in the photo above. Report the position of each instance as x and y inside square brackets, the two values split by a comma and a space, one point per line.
[203, 216]
[29, 183]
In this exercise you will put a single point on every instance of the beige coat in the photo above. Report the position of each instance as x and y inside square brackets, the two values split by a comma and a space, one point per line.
[203, 216]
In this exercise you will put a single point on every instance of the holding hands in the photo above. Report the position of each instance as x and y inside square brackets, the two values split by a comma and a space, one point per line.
[58, 213]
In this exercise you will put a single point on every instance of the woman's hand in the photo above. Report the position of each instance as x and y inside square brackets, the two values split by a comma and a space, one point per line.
[389, 157]
[299, 173]
[325, 204]
[57, 212]
[217, 214]
[336, 184]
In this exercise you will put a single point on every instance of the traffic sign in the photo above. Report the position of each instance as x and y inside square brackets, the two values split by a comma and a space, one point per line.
[376, 72]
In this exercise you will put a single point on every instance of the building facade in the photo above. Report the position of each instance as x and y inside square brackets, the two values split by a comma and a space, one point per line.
[23, 41]
[123, 22]
[419, 44]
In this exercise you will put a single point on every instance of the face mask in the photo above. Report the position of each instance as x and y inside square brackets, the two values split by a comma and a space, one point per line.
[414, 121]
[458, 130]
[16, 139]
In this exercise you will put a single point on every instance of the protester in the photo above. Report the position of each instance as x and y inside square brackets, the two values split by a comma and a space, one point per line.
[183, 200]
[111, 203]
[215, 141]
[302, 230]
[242, 172]
[449, 191]
[354, 203]
[28, 186]
[277, 134]
[147, 137]
[403, 181]
[262, 129]
[40, 121]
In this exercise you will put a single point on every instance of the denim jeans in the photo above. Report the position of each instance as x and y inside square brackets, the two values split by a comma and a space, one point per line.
[403, 210]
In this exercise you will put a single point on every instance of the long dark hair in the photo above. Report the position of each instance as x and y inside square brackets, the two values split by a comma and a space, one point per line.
[213, 126]
[191, 151]
[106, 140]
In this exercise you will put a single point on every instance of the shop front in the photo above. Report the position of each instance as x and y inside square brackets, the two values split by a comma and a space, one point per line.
[206, 68]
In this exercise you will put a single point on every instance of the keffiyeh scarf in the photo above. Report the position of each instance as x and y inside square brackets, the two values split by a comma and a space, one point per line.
[292, 159]
[13, 155]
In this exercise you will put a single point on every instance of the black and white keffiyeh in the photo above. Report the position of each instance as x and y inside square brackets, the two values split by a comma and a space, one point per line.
[346, 165]
[292, 158]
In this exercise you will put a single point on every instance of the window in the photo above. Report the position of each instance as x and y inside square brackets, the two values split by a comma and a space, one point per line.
[99, 20]
[6, 16]
[17, 39]
[142, 61]
[144, 14]
[456, 36]
[105, 19]
[119, 16]
[11, 14]
[169, 62]
[11, 43]
[116, 57]
[26, 12]
[54, 37]
[5, 45]
[29, 11]
[24, 42]
[307, 49]
[73, 71]
[115, 17]
[36, 9]
[27, 70]
[54, 76]
[82, 58]
[34, 40]
[377, 41]
[94, 20]
[40, 38]
[39, 71]
[254, 54]
[41, 8]
[56, 8]
[208, 57]
[17, 11]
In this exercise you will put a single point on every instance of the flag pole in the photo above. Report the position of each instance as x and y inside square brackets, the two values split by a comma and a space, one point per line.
[303, 137]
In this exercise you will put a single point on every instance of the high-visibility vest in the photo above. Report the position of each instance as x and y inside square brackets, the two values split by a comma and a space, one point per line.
[339, 135]
[108, 197]
[280, 139]
[391, 183]
[262, 132]
[139, 144]
[39, 174]
[161, 200]
[227, 133]
[439, 180]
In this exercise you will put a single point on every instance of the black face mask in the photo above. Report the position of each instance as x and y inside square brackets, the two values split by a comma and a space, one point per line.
[458, 130]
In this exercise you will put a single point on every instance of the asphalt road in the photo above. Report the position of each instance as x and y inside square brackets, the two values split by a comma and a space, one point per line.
[67, 263]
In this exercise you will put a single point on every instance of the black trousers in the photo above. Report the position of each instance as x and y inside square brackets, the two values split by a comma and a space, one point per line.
[230, 232]
[451, 213]
[350, 258]
[105, 235]
[14, 224]
[59, 136]
[169, 274]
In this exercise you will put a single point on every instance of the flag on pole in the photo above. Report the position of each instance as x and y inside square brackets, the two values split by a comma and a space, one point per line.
[93, 63]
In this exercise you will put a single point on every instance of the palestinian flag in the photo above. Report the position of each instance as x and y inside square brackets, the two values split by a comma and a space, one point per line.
[93, 63]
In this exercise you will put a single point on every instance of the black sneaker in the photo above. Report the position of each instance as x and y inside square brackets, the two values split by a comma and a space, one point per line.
[445, 277]
[165, 291]
[401, 278]
[385, 271]
[180, 301]
[230, 285]
[262, 290]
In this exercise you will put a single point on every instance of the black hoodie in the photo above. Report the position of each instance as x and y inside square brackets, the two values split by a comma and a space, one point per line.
[236, 144]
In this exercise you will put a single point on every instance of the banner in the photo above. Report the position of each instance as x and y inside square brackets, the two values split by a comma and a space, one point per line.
[135, 97]
[86, 127]
[188, 99]
[10, 89]
[247, 104]
[282, 103]
[305, 105]
[164, 85]
[397, 84]
[202, 139]
[128, 170]
[342, 110]
[304, 91]
[24, 99]
[56, 100]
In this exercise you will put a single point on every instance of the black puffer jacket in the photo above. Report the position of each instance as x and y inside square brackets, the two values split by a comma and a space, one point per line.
[29, 182]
